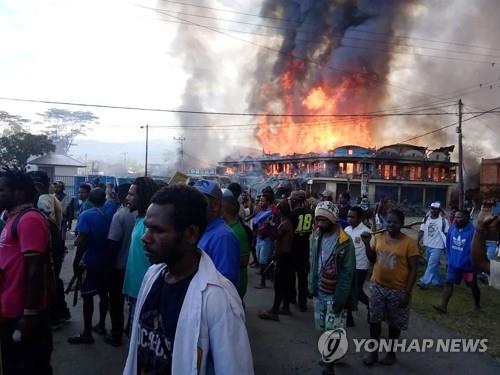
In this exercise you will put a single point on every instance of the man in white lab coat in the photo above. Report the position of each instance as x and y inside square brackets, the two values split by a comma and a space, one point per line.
[189, 318]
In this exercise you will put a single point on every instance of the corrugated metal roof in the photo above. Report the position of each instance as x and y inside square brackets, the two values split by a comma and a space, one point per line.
[56, 159]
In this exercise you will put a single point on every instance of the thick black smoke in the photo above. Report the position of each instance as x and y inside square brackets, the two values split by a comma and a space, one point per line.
[319, 35]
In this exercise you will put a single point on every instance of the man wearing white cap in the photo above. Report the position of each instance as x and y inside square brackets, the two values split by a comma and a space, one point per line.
[433, 232]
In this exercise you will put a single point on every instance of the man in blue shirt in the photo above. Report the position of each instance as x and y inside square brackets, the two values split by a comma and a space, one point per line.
[83, 194]
[458, 250]
[219, 241]
[262, 223]
[93, 261]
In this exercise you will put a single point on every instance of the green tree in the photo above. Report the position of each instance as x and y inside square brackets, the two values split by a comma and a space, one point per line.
[15, 149]
[64, 126]
[14, 123]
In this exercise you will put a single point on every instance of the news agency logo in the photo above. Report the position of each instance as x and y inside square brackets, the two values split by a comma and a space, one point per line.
[333, 345]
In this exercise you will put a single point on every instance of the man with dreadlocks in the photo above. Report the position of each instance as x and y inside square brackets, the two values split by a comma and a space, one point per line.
[138, 199]
[25, 334]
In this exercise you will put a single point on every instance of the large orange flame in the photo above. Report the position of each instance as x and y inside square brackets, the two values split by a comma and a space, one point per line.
[288, 135]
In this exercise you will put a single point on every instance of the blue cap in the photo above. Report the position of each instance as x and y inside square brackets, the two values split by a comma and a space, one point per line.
[209, 188]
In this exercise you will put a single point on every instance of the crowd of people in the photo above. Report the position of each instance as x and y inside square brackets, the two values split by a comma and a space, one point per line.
[179, 255]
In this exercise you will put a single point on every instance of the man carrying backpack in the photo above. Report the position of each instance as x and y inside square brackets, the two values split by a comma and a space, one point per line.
[51, 207]
[433, 231]
[25, 334]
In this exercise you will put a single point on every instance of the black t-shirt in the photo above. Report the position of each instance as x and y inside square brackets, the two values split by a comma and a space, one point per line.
[303, 220]
[157, 325]
[343, 211]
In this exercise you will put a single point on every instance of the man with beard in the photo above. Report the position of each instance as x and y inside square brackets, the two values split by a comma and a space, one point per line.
[302, 219]
[331, 276]
[189, 318]
[138, 199]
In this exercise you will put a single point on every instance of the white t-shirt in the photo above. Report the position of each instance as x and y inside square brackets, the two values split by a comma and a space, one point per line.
[495, 274]
[362, 262]
[434, 236]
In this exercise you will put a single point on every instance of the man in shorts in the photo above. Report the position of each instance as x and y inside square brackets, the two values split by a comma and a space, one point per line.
[458, 249]
[487, 226]
[264, 244]
[93, 263]
[395, 257]
[332, 269]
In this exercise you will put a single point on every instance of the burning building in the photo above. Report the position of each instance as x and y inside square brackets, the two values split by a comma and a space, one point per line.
[323, 73]
[403, 173]
[489, 180]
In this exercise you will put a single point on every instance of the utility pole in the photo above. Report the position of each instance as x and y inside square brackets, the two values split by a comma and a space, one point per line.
[181, 140]
[461, 186]
[125, 158]
[147, 147]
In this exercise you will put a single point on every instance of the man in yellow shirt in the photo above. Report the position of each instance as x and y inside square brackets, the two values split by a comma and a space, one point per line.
[395, 256]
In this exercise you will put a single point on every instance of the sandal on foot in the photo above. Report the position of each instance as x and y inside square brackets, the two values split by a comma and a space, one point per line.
[81, 339]
[439, 309]
[370, 360]
[100, 330]
[266, 315]
[388, 360]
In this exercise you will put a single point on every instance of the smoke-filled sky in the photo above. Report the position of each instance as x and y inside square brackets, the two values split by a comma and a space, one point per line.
[126, 53]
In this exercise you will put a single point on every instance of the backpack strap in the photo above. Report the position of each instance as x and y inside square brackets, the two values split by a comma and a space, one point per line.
[14, 232]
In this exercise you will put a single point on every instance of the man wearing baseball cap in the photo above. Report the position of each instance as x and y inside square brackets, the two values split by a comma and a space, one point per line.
[433, 232]
[327, 195]
[219, 241]
[333, 264]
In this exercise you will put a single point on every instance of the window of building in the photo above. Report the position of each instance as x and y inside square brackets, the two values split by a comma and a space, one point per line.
[413, 171]
[350, 151]
[387, 172]
[349, 168]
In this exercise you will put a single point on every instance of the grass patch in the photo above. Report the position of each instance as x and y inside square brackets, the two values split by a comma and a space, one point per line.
[461, 316]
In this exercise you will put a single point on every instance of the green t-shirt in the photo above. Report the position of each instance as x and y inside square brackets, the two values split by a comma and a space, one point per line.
[240, 232]
[137, 262]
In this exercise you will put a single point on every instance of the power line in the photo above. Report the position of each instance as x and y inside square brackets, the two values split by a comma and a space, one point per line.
[291, 55]
[342, 44]
[341, 37]
[281, 52]
[448, 126]
[359, 30]
[256, 114]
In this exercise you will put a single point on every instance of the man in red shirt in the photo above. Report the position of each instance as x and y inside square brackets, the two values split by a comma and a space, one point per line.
[25, 334]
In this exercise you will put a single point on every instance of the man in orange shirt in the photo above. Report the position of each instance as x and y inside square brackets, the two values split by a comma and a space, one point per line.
[395, 256]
